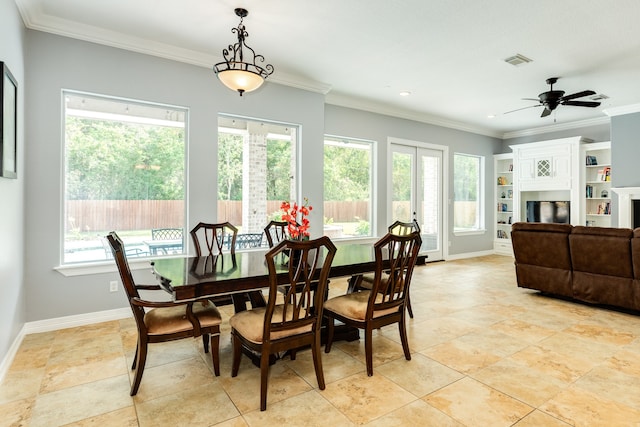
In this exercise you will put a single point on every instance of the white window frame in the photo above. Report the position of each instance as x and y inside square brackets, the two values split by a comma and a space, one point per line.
[480, 226]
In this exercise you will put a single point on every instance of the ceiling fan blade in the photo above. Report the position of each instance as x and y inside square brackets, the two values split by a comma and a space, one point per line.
[578, 95]
[546, 112]
[531, 99]
[523, 108]
[581, 103]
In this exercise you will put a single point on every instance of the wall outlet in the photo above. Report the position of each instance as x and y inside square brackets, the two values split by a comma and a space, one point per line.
[113, 286]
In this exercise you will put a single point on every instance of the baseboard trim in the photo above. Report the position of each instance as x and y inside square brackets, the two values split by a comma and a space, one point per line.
[469, 255]
[76, 320]
[59, 323]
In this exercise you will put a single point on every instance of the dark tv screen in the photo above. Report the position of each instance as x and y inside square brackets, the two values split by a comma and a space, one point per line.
[550, 212]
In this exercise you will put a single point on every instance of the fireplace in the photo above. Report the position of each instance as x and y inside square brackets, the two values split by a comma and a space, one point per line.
[628, 206]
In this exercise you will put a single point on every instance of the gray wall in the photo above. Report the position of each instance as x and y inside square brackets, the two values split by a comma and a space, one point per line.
[625, 150]
[361, 124]
[12, 303]
[597, 133]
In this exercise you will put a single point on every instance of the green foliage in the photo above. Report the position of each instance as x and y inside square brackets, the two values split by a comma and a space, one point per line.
[109, 160]
[465, 177]
[363, 228]
[401, 177]
[346, 173]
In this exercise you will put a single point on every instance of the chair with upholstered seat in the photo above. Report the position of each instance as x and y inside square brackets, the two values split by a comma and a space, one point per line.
[385, 302]
[293, 321]
[160, 321]
[365, 281]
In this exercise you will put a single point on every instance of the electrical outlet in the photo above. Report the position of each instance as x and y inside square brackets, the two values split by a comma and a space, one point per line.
[113, 286]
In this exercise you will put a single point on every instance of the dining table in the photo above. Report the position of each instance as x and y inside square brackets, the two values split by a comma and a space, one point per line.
[244, 275]
[190, 277]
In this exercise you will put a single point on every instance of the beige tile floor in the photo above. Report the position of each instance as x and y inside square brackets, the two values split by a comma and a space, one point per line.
[484, 353]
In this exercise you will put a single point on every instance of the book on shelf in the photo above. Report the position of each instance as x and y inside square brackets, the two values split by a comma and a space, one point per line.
[589, 192]
[604, 208]
[607, 173]
[591, 161]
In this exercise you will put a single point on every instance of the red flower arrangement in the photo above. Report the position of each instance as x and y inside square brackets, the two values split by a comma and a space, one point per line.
[297, 230]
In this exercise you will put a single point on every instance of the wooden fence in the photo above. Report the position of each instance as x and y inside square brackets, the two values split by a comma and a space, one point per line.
[105, 215]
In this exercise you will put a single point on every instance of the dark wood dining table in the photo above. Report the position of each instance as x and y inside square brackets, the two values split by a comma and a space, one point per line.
[244, 275]
[187, 278]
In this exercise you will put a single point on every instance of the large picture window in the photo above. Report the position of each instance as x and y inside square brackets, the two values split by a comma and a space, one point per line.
[256, 172]
[468, 193]
[124, 164]
[348, 188]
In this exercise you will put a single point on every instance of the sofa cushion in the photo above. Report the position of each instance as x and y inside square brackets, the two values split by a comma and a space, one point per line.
[602, 265]
[543, 260]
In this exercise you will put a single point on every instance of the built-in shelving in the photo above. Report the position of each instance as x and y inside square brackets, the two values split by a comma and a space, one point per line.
[503, 203]
[596, 179]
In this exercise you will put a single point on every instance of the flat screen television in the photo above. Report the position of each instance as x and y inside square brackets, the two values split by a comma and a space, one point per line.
[544, 211]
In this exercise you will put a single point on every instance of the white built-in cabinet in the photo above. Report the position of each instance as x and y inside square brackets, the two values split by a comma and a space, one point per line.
[549, 171]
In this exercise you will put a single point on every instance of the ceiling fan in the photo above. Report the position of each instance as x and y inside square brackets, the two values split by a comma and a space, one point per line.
[552, 98]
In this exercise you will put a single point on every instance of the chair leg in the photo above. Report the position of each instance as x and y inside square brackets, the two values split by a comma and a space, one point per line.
[205, 342]
[215, 353]
[237, 352]
[409, 309]
[317, 361]
[368, 348]
[330, 330]
[141, 358]
[403, 337]
[135, 357]
[264, 377]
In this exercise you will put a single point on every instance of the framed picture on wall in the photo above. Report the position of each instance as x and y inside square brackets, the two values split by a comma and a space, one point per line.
[8, 124]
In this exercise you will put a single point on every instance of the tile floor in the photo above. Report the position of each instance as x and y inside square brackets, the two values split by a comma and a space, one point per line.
[484, 353]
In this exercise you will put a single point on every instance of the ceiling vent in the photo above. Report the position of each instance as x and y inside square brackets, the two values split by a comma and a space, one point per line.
[598, 97]
[517, 60]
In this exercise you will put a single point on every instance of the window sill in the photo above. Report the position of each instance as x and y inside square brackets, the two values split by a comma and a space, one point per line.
[70, 270]
[469, 232]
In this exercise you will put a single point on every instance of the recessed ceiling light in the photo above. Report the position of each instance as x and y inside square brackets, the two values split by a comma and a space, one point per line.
[405, 93]
[491, 116]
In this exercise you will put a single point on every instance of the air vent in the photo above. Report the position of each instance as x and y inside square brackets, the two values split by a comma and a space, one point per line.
[517, 60]
[598, 97]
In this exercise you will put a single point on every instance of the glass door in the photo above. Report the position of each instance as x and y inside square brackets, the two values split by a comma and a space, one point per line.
[416, 192]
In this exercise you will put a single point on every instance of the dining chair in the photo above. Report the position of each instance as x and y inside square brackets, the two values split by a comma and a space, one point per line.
[365, 281]
[276, 231]
[385, 302]
[214, 239]
[291, 322]
[161, 321]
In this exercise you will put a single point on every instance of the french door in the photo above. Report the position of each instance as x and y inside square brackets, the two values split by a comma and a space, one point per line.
[416, 188]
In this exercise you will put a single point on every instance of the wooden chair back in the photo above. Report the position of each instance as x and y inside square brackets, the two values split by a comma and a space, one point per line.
[306, 285]
[128, 283]
[276, 231]
[214, 239]
[390, 287]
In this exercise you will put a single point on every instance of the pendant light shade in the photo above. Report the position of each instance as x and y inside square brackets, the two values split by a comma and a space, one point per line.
[236, 73]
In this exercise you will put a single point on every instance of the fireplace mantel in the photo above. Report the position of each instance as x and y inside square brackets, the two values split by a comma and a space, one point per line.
[625, 206]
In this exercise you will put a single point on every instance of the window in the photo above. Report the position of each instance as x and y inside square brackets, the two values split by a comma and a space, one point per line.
[124, 164]
[468, 193]
[256, 172]
[348, 189]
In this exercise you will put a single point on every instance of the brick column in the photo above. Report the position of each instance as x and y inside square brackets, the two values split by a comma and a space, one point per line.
[254, 179]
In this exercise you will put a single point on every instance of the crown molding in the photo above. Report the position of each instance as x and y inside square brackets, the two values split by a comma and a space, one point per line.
[619, 111]
[374, 107]
[35, 20]
[557, 127]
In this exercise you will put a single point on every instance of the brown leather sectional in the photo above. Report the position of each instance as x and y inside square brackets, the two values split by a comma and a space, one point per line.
[592, 264]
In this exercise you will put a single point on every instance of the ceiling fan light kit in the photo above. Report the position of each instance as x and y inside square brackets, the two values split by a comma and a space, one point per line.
[551, 99]
[236, 73]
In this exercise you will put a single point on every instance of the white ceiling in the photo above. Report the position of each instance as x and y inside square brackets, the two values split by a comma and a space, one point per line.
[361, 53]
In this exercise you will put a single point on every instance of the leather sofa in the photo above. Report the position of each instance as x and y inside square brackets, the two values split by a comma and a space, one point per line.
[593, 264]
